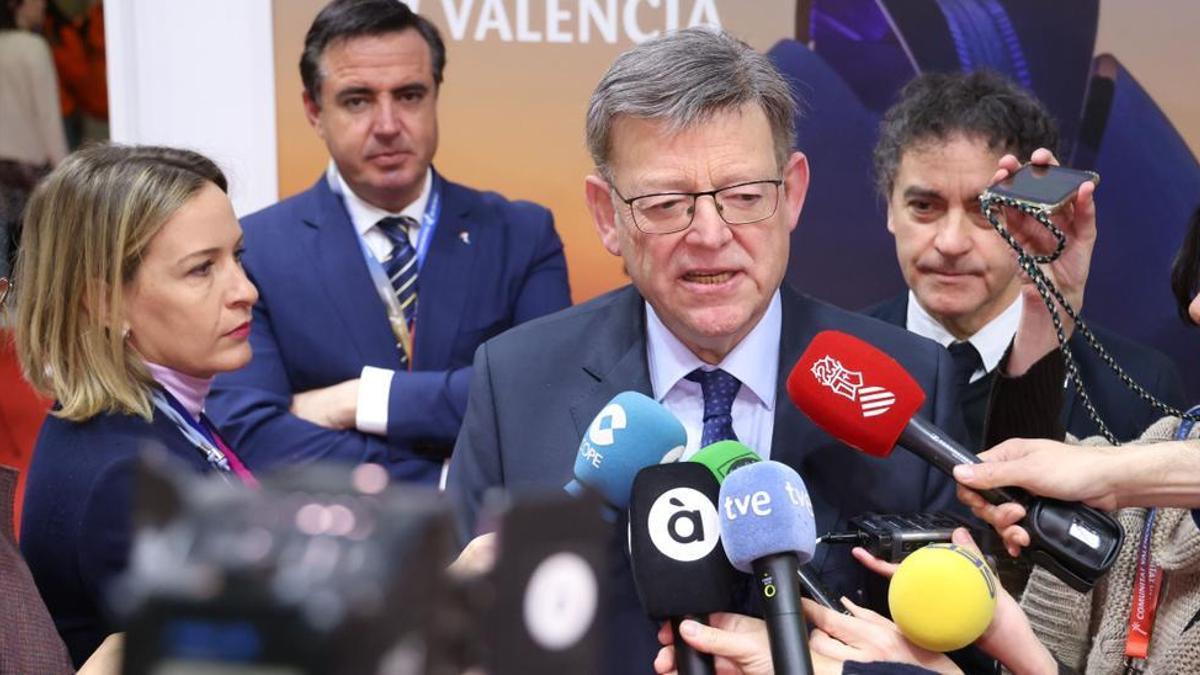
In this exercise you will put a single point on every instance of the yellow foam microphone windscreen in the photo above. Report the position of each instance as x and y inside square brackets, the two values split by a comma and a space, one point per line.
[942, 597]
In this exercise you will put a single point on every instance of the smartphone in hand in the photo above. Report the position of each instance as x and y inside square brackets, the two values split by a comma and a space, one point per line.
[1045, 188]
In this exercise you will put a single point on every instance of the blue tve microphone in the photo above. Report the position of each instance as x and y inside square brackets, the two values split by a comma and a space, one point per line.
[767, 529]
[631, 432]
[724, 457]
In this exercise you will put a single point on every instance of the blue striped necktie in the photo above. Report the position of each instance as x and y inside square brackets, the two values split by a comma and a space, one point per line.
[401, 264]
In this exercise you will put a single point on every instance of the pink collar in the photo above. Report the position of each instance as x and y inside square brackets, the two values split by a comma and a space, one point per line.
[189, 391]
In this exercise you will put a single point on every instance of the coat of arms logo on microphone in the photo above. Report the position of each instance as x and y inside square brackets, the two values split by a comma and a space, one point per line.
[849, 384]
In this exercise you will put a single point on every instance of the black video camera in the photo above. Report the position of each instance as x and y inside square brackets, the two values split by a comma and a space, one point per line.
[323, 570]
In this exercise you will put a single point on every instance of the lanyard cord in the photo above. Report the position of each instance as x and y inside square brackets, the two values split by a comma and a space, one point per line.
[1046, 289]
[195, 434]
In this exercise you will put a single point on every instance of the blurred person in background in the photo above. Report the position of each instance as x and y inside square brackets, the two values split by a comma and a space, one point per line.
[938, 148]
[31, 131]
[379, 281]
[126, 339]
[75, 30]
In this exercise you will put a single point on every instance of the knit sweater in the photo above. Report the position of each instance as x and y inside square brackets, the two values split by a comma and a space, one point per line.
[1087, 631]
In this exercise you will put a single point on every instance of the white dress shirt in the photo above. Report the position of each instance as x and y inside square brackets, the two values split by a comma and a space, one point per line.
[991, 341]
[375, 384]
[754, 362]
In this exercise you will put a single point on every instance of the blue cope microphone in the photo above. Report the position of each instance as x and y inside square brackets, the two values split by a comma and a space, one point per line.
[631, 432]
[767, 530]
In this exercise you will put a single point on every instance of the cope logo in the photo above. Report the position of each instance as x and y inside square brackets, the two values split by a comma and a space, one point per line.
[683, 524]
[605, 425]
[602, 433]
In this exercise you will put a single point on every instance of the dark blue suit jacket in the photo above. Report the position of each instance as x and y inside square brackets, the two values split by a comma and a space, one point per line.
[538, 386]
[76, 526]
[491, 265]
[1126, 415]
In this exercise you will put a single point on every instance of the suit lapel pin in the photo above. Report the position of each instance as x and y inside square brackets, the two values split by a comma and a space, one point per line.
[465, 237]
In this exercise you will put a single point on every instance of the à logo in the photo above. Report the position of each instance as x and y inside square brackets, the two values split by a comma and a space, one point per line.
[683, 524]
[849, 384]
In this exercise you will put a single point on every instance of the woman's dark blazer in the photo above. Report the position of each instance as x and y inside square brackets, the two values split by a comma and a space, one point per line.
[76, 526]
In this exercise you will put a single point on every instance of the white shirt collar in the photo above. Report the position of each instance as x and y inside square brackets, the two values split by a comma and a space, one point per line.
[991, 341]
[363, 215]
[754, 361]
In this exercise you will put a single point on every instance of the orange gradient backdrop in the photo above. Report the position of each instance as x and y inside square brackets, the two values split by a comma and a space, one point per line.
[512, 113]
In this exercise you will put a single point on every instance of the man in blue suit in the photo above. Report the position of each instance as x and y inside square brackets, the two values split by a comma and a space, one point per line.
[938, 150]
[697, 188]
[378, 282]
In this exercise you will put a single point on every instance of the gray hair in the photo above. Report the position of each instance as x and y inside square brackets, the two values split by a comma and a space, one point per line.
[686, 77]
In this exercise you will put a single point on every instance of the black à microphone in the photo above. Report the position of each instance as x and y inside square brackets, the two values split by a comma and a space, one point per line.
[678, 565]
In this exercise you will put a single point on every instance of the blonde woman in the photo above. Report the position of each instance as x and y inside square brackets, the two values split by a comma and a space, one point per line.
[130, 297]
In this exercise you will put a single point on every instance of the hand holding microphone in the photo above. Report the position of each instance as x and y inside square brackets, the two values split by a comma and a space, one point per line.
[738, 642]
[865, 399]
[1008, 637]
[1165, 474]
[742, 646]
[1044, 467]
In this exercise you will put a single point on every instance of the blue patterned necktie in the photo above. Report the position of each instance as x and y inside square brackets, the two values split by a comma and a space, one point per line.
[719, 389]
[401, 265]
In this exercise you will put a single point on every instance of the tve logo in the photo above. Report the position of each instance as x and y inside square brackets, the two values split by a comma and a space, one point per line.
[603, 432]
[758, 503]
[683, 524]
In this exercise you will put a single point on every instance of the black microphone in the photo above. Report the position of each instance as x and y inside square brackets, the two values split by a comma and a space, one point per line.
[678, 565]
[545, 599]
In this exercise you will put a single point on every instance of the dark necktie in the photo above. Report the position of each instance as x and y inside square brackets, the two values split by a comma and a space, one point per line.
[966, 362]
[401, 266]
[719, 389]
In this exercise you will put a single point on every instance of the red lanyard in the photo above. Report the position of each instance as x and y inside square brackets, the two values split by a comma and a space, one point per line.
[235, 463]
[1147, 584]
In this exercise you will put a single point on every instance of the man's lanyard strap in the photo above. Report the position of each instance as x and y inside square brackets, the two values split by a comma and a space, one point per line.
[405, 331]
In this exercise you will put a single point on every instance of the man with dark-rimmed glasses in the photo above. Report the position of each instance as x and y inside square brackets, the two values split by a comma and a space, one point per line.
[697, 188]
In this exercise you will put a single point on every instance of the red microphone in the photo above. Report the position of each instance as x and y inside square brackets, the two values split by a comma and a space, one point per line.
[863, 398]
[856, 393]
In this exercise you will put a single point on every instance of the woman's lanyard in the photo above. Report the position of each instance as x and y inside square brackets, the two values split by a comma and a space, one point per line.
[404, 330]
[1147, 584]
[209, 444]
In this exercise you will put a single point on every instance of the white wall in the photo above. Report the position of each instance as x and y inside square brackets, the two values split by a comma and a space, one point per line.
[198, 74]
